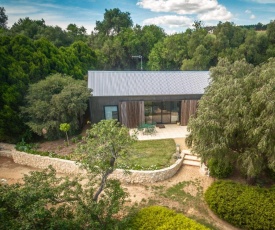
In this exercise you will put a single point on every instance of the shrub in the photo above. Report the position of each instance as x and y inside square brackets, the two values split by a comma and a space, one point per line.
[219, 169]
[161, 218]
[32, 149]
[244, 206]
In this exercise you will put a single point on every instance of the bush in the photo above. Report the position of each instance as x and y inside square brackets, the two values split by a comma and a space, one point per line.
[244, 206]
[32, 149]
[219, 169]
[161, 218]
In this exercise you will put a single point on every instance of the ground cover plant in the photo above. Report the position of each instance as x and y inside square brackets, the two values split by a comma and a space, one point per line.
[161, 218]
[244, 206]
[150, 154]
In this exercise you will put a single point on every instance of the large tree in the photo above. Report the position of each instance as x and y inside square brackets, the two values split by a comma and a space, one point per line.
[114, 21]
[104, 143]
[57, 99]
[3, 18]
[235, 121]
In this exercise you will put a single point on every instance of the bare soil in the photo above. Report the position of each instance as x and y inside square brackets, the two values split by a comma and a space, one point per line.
[141, 194]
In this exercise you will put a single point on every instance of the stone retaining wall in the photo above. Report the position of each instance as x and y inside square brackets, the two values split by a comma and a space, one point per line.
[137, 176]
[42, 162]
[6, 153]
[70, 167]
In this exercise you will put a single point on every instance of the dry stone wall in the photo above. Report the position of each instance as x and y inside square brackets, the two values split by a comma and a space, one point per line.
[42, 162]
[137, 176]
[70, 167]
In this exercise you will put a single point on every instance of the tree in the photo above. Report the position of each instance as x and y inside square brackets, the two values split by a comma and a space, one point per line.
[77, 33]
[270, 31]
[235, 120]
[104, 143]
[114, 21]
[3, 18]
[28, 27]
[57, 99]
[45, 201]
[65, 127]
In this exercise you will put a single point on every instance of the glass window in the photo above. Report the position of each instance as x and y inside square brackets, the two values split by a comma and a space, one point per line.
[111, 112]
[165, 112]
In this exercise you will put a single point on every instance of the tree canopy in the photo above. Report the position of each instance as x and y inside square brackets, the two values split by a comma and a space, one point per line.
[104, 143]
[114, 21]
[57, 99]
[235, 121]
[3, 18]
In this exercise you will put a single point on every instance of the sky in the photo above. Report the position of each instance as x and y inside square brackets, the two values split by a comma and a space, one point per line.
[174, 16]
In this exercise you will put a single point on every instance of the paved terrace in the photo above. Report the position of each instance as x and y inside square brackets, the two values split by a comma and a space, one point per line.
[170, 131]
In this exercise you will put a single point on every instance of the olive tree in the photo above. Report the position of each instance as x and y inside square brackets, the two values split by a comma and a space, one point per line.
[104, 143]
[235, 121]
[57, 99]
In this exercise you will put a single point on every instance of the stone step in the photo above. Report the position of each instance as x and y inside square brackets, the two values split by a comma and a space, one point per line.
[193, 163]
[186, 151]
[191, 157]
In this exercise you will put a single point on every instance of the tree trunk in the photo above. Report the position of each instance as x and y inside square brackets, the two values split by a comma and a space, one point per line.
[104, 179]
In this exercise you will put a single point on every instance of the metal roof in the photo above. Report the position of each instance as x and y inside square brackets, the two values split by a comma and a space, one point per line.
[143, 83]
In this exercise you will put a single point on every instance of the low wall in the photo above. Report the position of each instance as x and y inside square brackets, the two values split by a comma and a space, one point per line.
[42, 162]
[137, 176]
[70, 167]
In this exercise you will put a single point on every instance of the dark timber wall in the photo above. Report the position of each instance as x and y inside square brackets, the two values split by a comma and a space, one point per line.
[188, 108]
[131, 113]
[96, 106]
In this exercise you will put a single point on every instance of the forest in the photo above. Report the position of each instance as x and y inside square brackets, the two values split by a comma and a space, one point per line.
[31, 50]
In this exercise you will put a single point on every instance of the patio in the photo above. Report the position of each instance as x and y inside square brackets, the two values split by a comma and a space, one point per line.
[170, 131]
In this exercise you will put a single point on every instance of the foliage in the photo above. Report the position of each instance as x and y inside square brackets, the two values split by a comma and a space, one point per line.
[219, 168]
[57, 99]
[3, 18]
[104, 143]
[244, 206]
[23, 62]
[32, 148]
[114, 52]
[45, 201]
[161, 218]
[235, 118]
[168, 54]
[149, 155]
[65, 127]
[114, 21]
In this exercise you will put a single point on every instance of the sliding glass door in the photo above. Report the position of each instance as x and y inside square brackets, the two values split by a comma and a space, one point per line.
[162, 112]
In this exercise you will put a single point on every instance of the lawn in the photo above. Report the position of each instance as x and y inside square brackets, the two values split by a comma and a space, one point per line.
[150, 154]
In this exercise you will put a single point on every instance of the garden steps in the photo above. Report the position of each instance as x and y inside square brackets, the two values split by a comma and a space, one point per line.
[191, 159]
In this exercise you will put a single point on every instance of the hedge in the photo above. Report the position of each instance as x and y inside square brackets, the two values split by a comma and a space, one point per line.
[161, 218]
[246, 207]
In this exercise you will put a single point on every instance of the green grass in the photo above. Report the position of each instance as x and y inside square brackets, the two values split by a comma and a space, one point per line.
[150, 154]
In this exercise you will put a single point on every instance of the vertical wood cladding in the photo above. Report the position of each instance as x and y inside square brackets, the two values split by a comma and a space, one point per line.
[131, 113]
[188, 108]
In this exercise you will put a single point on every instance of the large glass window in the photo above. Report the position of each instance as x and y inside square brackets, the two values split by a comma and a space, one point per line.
[111, 112]
[166, 112]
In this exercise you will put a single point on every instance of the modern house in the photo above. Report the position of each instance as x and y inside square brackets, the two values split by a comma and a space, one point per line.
[136, 97]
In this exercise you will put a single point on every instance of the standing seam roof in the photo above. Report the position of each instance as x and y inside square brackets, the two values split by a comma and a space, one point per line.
[142, 83]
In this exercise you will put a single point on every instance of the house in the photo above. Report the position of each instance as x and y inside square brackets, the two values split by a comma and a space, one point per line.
[136, 97]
